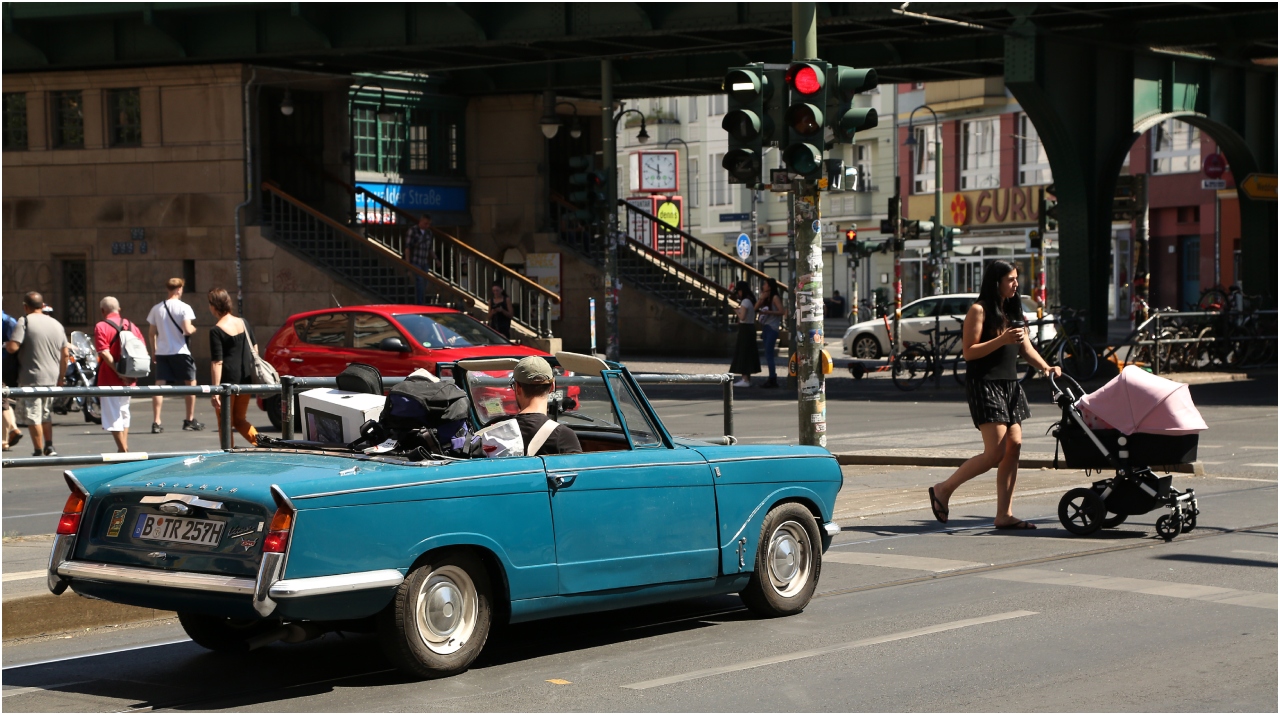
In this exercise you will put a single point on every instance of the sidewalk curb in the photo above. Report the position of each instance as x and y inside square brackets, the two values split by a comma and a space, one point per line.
[907, 460]
[47, 614]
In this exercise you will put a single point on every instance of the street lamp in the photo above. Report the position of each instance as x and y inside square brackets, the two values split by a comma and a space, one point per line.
[643, 135]
[550, 122]
[935, 245]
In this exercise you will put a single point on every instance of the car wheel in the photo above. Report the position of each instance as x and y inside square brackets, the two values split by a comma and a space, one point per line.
[788, 562]
[222, 634]
[866, 347]
[440, 616]
[271, 405]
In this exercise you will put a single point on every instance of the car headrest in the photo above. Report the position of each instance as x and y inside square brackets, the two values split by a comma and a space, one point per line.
[580, 364]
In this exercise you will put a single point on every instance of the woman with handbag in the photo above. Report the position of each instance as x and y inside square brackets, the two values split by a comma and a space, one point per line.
[233, 353]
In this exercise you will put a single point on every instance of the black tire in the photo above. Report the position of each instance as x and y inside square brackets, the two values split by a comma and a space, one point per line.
[1078, 358]
[1188, 522]
[440, 617]
[787, 565]
[1081, 511]
[1168, 527]
[911, 369]
[93, 410]
[1114, 520]
[271, 405]
[221, 634]
[866, 347]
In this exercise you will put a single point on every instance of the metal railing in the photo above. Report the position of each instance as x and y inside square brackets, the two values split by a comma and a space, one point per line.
[287, 389]
[1196, 328]
[461, 266]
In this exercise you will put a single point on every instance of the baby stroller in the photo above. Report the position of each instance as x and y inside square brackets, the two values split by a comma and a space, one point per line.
[1130, 424]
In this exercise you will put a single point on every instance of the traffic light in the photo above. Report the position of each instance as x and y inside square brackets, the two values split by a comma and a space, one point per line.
[807, 90]
[843, 118]
[1035, 240]
[589, 193]
[1049, 209]
[747, 123]
[890, 225]
[947, 238]
[851, 240]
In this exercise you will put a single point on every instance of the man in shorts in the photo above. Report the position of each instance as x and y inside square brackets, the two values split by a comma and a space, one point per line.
[116, 417]
[172, 325]
[40, 342]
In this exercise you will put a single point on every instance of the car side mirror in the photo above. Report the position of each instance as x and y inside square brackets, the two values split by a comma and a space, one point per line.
[394, 345]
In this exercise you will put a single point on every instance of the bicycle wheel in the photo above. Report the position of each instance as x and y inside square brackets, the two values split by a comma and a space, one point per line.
[911, 368]
[1077, 358]
[959, 369]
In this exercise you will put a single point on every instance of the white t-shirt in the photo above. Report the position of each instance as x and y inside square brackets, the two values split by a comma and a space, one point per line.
[169, 340]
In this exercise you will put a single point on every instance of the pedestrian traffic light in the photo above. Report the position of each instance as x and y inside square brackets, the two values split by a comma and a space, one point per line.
[589, 196]
[1035, 240]
[747, 123]
[850, 239]
[843, 118]
[807, 90]
[889, 226]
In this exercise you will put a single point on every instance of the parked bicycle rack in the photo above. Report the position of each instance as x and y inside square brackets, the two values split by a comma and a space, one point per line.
[1156, 341]
[287, 389]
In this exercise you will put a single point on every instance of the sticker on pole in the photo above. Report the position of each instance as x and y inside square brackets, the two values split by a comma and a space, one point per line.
[744, 246]
[817, 226]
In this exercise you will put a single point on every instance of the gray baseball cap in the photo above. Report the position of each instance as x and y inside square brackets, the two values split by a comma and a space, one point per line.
[533, 371]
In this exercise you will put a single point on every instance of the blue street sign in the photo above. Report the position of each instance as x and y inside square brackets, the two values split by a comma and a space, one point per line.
[744, 246]
[724, 218]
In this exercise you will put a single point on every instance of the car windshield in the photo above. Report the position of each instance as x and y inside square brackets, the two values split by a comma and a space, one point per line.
[448, 330]
[583, 403]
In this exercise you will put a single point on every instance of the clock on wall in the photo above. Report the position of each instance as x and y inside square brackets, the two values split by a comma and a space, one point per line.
[655, 171]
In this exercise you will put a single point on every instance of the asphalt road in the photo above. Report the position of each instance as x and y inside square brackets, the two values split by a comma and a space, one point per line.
[909, 615]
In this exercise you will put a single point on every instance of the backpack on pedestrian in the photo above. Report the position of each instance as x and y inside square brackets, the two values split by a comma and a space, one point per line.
[134, 361]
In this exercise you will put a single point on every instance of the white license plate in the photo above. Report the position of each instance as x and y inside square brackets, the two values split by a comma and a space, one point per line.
[157, 527]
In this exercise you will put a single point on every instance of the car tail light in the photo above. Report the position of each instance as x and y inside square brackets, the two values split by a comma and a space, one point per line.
[71, 512]
[278, 535]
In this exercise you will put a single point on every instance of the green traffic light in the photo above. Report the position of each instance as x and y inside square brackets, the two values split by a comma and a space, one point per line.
[803, 158]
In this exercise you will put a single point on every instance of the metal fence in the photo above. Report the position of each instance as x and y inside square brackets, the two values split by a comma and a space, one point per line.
[1205, 339]
[288, 390]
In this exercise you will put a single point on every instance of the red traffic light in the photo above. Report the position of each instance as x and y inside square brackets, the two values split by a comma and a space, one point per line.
[805, 78]
[851, 234]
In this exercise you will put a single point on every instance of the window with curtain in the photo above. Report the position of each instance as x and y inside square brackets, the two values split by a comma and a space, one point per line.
[124, 117]
[922, 167]
[1175, 148]
[15, 121]
[980, 152]
[1033, 162]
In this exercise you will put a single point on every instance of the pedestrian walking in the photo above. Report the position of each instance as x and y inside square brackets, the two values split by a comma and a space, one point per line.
[500, 311]
[419, 250]
[12, 435]
[172, 323]
[232, 350]
[746, 355]
[109, 340]
[40, 342]
[770, 314]
[994, 334]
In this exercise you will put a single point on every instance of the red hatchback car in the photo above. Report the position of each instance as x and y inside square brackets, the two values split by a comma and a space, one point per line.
[396, 339]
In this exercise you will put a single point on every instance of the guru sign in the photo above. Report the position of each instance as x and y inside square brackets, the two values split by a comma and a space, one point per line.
[988, 207]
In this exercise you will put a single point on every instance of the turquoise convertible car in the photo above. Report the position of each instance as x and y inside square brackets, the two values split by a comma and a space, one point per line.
[254, 546]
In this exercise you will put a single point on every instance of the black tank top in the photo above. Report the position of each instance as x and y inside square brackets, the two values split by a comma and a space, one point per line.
[999, 364]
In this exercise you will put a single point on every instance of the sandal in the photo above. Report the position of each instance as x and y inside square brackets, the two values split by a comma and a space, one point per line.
[1017, 526]
[940, 512]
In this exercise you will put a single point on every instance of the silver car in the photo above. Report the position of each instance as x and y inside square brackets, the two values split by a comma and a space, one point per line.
[869, 339]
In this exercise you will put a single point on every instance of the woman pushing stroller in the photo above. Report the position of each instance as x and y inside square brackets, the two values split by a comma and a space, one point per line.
[994, 335]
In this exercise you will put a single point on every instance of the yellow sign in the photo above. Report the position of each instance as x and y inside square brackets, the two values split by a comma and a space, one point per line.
[1259, 187]
[669, 212]
[1011, 205]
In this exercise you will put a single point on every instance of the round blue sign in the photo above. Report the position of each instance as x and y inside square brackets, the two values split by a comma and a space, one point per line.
[744, 246]
[817, 226]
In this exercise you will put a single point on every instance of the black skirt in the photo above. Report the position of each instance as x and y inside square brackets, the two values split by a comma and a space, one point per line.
[999, 401]
[746, 356]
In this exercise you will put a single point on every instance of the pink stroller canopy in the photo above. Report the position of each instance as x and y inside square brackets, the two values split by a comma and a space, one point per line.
[1137, 401]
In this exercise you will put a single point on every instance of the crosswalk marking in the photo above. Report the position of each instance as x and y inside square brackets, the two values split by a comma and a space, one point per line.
[25, 575]
[898, 561]
[785, 657]
[1229, 596]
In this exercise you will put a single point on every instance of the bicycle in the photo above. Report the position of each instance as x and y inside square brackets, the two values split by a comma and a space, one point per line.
[1066, 349]
[918, 361]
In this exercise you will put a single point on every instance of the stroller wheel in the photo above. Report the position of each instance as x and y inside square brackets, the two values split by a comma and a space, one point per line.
[1115, 520]
[1081, 511]
[1168, 527]
[1188, 522]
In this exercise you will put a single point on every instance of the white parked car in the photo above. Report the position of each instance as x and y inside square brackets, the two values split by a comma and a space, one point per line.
[869, 340]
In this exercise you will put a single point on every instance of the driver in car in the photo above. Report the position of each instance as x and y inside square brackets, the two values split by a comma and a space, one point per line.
[534, 383]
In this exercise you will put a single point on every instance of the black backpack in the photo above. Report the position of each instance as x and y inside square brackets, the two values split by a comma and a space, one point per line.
[418, 402]
[359, 377]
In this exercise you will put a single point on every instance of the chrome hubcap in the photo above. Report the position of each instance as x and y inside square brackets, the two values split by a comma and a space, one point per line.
[790, 558]
[446, 609]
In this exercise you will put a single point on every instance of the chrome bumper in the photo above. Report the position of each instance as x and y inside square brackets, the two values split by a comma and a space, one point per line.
[264, 590]
[831, 528]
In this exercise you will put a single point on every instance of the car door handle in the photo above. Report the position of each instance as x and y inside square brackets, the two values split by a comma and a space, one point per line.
[295, 359]
[561, 480]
